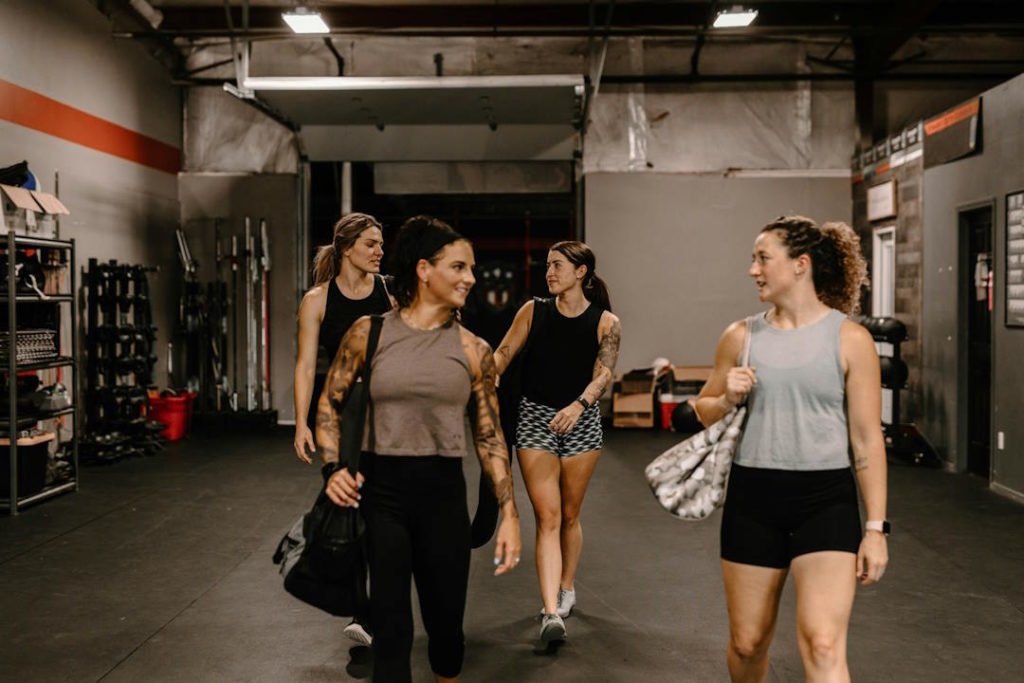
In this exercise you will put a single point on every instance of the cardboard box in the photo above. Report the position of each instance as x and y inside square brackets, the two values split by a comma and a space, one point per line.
[634, 397]
[688, 380]
[29, 211]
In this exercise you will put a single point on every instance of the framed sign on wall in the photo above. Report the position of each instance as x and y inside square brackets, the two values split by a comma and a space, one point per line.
[1015, 259]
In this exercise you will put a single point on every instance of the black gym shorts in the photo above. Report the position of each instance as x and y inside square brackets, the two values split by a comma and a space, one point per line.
[772, 516]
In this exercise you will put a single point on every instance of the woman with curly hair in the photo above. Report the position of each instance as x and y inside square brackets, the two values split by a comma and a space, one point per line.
[813, 393]
[410, 486]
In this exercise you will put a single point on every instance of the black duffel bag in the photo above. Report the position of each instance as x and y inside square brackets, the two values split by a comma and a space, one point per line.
[323, 556]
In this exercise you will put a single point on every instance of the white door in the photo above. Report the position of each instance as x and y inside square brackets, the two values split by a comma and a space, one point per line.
[883, 272]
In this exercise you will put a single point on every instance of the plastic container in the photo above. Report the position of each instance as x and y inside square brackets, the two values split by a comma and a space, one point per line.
[173, 411]
[668, 403]
[33, 455]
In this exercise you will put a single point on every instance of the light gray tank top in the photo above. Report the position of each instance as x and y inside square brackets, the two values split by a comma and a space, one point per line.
[796, 414]
[419, 388]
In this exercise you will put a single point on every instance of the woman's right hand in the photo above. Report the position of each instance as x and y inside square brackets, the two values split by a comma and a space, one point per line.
[303, 438]
[738, 383]
[343, 489]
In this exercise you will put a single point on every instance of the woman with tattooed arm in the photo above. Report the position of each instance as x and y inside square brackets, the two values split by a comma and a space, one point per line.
[570, 345]
[410, 486]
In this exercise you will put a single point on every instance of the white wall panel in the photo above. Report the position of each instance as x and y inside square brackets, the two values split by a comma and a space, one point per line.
[675, 249]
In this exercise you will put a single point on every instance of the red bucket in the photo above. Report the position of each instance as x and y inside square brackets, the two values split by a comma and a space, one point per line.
[668, 404]
[173, 411]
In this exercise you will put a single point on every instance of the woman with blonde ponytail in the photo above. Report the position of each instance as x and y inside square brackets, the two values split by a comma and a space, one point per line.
[347, 286]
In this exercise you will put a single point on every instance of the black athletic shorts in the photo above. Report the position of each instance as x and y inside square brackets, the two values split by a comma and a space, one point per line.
[772, 516]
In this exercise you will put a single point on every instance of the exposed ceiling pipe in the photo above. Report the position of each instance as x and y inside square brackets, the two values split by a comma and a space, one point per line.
[125, 15]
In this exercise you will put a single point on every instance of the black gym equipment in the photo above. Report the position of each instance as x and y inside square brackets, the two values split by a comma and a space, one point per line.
[903, 441]
[120, 359]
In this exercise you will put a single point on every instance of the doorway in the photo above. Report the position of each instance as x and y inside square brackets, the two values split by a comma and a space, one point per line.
[883, 272]
[976, 330]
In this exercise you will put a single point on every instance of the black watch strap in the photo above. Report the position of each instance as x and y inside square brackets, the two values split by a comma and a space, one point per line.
[583, 402]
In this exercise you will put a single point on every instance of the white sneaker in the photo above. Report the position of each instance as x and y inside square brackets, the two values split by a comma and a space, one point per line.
[552, 628]
[356, 632]
[566, 601]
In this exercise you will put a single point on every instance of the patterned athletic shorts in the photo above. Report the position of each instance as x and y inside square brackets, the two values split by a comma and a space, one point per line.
[533, 430]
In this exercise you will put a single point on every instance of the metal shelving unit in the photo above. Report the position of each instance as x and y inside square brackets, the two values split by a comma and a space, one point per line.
[13, 501]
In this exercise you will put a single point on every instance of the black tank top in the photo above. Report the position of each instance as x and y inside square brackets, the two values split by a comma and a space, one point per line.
[340, 312]
[558, 361]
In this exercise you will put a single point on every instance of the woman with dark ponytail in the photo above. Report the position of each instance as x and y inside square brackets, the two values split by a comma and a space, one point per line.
[813, 392]
[347, 286]
[570, 344]
[410, 487]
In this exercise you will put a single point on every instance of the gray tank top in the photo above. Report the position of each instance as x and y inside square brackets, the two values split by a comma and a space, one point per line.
[419, 388]
[796, 414]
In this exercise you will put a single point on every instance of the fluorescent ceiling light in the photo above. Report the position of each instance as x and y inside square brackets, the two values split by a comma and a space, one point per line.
[737, 17]
[304, 21]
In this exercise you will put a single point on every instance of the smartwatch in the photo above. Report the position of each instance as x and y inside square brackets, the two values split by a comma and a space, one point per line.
[881, 526]
[583, 402]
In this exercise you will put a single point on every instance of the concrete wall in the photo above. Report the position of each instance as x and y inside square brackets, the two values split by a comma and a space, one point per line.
[231, 197]
[120, 209]
[983, 178]
[675, 249]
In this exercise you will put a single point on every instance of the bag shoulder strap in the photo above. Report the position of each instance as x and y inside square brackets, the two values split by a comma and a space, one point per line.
[746, 341]
[376, 323]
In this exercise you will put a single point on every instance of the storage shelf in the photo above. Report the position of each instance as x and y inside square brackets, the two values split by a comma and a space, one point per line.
[47, 492]
[35, 298]
[46, 364]
[22, 240]
[50, 414]
[11, 499]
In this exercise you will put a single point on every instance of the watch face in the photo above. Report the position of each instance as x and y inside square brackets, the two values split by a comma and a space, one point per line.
[886, 527]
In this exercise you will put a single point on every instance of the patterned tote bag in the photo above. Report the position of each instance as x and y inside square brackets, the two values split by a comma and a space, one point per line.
[689, 479]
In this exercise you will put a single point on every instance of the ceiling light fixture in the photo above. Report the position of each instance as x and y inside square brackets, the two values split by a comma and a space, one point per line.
[737, 17]
[302, 20]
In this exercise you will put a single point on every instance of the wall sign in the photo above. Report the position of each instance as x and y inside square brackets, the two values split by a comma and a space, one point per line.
[1015, 260]
[882, 201]
[953, 134]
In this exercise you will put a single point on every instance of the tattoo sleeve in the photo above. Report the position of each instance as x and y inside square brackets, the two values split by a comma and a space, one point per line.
[502, 358]
[337, 388]
[487, 434]
[604, 366]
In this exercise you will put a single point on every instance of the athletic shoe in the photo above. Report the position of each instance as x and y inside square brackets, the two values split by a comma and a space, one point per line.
[552, 628]
[566, 601]
[356, 632]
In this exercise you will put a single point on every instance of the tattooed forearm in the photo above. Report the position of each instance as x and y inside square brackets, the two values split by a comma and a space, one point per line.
[604, 366]
[487, 433]
[337, 389]
[502, 358]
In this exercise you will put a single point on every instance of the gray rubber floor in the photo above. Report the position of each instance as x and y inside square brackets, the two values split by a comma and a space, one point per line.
[159, 570]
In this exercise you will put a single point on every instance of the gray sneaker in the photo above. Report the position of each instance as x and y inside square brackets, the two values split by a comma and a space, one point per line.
[552, 628]
[566, 601]
[356, 632]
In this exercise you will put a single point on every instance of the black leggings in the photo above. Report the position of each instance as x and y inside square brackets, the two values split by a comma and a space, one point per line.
[418, 527]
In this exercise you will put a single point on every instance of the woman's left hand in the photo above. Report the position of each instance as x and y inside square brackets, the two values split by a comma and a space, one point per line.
[566, 418]
[872, 557]
[508, 546]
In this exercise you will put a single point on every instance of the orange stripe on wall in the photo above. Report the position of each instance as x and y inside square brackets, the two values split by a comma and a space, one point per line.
[32, 110]
[944, 121]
